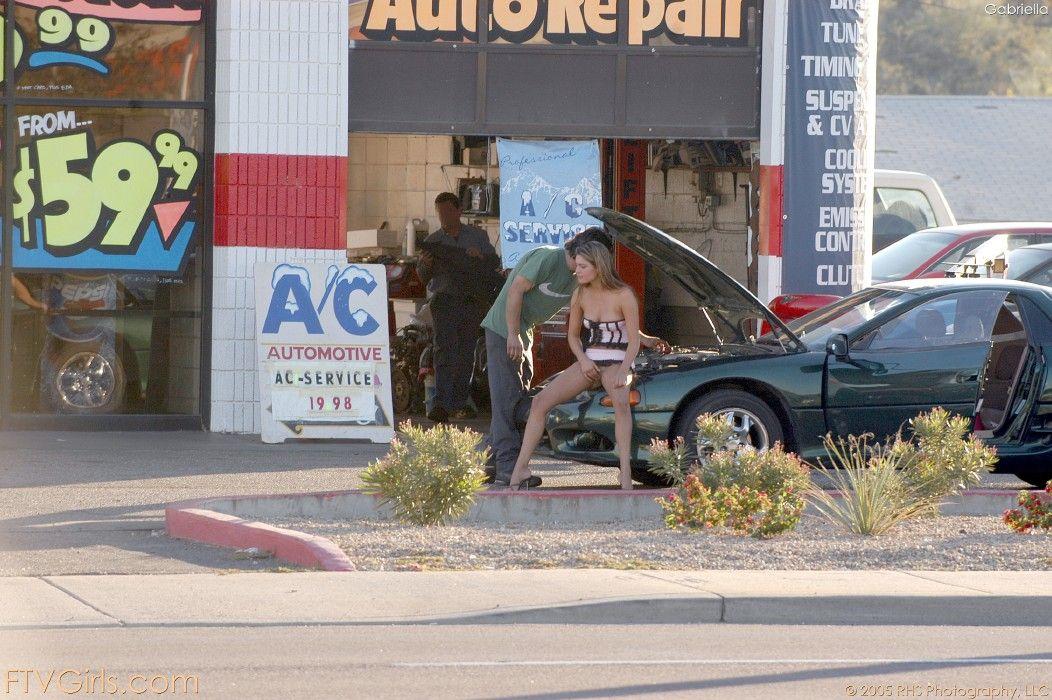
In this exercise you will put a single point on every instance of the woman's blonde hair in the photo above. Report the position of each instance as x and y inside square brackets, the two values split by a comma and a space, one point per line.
[601, 259]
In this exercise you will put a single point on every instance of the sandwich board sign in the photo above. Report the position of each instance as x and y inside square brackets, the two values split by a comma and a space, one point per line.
[324, 351]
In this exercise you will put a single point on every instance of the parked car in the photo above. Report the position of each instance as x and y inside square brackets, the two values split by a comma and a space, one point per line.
[928, 254]
[1031, 264]
[865, 364]
[905, 202]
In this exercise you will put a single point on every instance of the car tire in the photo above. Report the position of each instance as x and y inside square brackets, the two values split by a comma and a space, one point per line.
[402, 391]
[1035, 477]
[86, 381]
[752, 415]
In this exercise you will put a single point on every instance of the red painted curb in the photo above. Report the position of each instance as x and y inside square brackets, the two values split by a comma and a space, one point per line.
[187, 522]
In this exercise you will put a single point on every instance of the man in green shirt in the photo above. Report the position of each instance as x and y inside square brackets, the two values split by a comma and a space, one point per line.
[539, 285]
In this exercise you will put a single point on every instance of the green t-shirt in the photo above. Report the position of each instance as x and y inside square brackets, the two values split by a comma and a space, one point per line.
[553, 283]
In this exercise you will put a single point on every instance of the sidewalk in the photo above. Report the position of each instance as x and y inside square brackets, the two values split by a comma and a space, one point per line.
[545, 597]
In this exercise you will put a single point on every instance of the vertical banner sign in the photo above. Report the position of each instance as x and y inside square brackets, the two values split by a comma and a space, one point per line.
[324, 354]
[545, 188]
[829, 131]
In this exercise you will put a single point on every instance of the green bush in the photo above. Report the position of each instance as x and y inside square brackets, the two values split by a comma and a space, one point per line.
[755, 493]
[741, 509]
[948, 459]
[669, 463]
[429, 477]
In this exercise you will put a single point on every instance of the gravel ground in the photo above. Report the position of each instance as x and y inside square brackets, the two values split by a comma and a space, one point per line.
[955, 543]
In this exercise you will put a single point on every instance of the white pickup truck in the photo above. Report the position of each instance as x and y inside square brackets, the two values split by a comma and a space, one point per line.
[904, 202]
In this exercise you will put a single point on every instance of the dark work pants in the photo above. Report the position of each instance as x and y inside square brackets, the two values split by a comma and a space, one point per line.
[508, 382]
[456, 323]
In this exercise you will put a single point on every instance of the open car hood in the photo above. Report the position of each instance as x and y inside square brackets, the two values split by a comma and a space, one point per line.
[729, 304]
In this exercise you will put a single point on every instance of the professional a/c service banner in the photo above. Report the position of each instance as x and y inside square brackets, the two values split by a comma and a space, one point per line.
[829, 124]
[545, 186]
[324, 353]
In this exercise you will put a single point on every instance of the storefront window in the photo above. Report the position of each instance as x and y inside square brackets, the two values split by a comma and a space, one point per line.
[105, 247]
[83, 48]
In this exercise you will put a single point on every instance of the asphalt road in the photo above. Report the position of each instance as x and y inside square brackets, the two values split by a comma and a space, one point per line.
[542, 661]
[93, 502]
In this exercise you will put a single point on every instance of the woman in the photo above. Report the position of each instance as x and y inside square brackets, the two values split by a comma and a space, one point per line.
[603, 333]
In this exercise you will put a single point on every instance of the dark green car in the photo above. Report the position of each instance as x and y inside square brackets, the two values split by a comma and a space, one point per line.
[865, 364]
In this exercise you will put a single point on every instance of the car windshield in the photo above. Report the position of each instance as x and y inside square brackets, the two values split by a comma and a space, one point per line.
[1024, 260]
[815, 328]
[901, 258]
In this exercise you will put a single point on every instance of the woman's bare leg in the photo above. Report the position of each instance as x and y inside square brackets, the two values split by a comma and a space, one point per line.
[564, 387]
[622, 423]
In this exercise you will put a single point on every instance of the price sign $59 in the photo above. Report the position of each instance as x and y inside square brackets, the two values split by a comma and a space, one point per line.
[97, 199]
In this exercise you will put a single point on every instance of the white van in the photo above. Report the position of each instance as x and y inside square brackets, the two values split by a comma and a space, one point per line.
[904, 202]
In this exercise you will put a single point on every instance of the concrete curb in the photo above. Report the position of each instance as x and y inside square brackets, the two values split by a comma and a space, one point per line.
[189, 521]
[548, 506]
[546, 596]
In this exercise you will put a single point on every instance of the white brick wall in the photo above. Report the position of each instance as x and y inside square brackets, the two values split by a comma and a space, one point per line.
[395, 178]
[281, 89]
[281, 77]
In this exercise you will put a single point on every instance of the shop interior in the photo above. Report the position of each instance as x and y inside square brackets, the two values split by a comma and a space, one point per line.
[702, 193]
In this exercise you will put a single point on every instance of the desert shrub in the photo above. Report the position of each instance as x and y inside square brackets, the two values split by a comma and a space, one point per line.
[1033, 513]
[750, 492]
[741, 509]
[669, 462]
[714, 434]
[875, 491]
[948, 459]
[882, 484]
[430, 476]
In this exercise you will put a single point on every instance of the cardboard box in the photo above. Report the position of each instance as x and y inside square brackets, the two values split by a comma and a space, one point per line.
[404, 310]
[374, 238]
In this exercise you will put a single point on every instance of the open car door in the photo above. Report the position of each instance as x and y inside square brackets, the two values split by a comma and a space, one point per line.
[1009, 413]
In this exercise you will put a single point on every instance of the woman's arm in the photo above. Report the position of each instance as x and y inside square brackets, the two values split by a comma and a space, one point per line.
[630, 309]
[22, 292]
[573, 336]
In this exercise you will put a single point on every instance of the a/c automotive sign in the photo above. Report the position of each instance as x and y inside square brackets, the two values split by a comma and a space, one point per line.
[324, 355]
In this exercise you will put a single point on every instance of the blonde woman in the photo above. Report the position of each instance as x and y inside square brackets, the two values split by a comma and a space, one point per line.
[603, 332]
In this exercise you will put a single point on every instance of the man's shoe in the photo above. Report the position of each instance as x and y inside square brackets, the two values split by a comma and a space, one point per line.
[438, 415]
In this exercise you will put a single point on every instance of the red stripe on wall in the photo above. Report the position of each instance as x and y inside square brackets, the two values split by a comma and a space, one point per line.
[630, 197]
[770, 210]
[277, 201]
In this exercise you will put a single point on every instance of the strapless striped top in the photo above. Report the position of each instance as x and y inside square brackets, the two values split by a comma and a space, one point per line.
[605, 341]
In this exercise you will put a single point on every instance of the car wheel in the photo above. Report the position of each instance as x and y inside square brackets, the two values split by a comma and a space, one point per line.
[402, 391]
[1035, 477]
[86, 381]
[754, 423]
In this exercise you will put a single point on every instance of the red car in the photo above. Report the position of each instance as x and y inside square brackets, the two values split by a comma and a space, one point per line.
[933, 252]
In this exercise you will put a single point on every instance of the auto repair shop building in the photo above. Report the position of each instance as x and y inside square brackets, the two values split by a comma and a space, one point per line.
[161, 148]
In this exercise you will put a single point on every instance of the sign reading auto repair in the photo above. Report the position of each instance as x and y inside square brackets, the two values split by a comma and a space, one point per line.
[556, 21]
[324, 354]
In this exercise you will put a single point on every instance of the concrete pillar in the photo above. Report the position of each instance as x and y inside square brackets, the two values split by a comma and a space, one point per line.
[280, 170]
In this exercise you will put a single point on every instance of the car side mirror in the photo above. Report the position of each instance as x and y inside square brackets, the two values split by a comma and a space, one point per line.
[837, 346]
